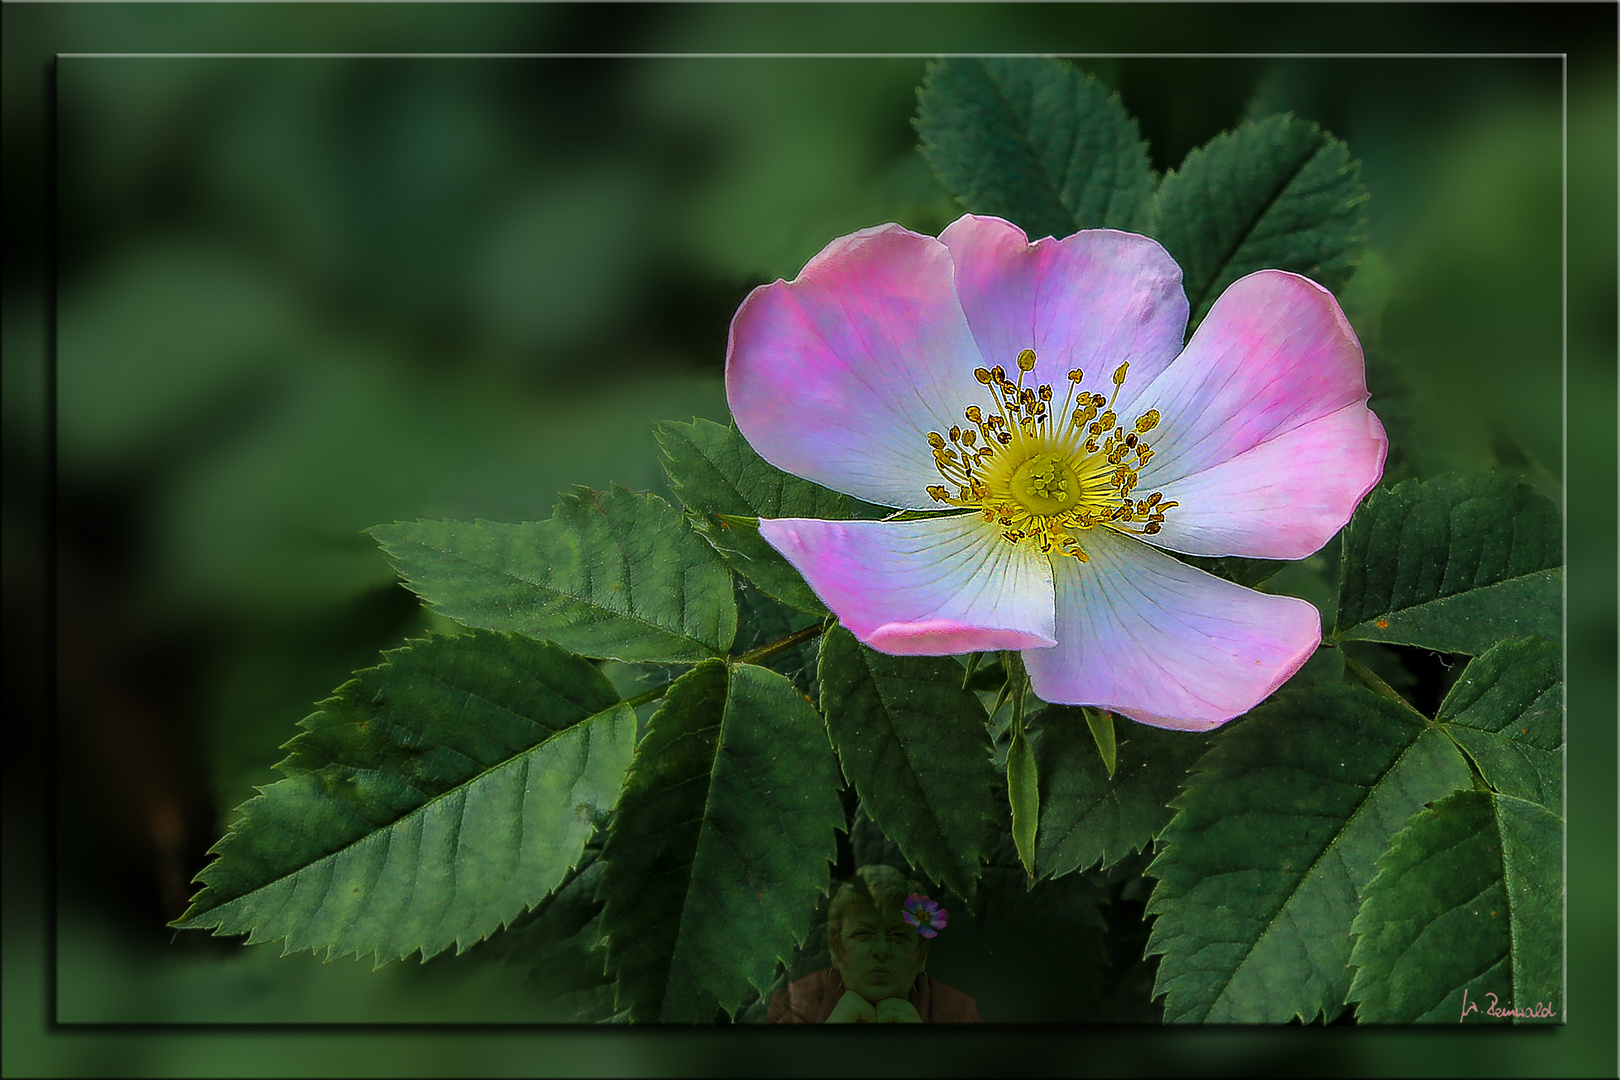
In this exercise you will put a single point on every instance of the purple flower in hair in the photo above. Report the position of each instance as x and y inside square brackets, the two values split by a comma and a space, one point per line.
[925, 914]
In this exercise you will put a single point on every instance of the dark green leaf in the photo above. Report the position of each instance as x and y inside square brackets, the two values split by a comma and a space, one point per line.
[433, 800]
[1278, 193]
[1453, 564]
[1023, 793]
[915, 746]
[1090, 818]
[559, 942]
[1468, 901]
[713, 470]
[721, 841]
[1101, 723]
[1262, 869]
[762, 620]
[1507, 711]
[608, 574]
[1033, 140]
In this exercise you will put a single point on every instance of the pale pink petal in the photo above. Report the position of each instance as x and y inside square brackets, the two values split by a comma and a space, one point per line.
[1282, 499]
[1160, 642]
[1274, 353]
[839, 375]
[1089, 301]
[929, 587]
[1274, 358]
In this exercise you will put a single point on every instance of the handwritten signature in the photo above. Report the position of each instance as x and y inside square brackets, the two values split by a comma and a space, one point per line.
[1539, 1011]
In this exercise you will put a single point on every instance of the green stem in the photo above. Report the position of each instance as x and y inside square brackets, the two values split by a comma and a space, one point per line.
[798, 637]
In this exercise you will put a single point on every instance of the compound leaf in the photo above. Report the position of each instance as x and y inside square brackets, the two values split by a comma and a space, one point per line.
[713, 470]
[429, 803]
[1089, 819]
[720, 844]
[1453, 564]
[1278, 193]
[1035, 141]
[916, 747]
[614, 574]
[1465, 917]
[1262, 868]
[1507, 711]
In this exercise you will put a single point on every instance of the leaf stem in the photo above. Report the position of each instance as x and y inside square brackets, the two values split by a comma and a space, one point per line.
[1368, 678]
[798, 637]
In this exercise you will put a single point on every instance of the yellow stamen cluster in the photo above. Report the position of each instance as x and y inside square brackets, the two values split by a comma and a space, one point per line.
[1044, 473]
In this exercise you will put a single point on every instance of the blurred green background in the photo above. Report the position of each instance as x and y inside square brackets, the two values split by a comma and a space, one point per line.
[296, 297]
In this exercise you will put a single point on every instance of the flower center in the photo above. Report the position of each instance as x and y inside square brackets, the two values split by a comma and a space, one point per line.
[1046, 484]
[1043, 474]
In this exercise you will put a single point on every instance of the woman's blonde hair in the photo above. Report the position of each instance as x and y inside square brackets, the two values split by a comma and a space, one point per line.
[878, 888]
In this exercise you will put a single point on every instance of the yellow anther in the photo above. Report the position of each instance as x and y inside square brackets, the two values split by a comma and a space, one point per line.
[1040, 483]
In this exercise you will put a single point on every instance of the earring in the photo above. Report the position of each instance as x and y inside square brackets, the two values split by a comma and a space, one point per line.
[839, 976]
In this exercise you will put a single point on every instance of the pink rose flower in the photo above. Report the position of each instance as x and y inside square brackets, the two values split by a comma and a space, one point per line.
[1042, 389]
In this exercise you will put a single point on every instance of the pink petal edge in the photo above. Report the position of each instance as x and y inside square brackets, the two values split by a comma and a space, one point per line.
[930, 587]
[839, 375]
[1087, 301]
[1147, 636]
[1264, 436]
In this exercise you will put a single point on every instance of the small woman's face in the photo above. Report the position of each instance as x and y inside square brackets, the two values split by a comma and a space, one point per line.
[877, 958]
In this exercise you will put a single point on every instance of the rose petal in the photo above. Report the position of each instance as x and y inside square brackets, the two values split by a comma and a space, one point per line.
[839, 375]
[1282, 499]
[929, 587]
[1274, 353]
[924, 931]
[1142, 634]
[1088, 301]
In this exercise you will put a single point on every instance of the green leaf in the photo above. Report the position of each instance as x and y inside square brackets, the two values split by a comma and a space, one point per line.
[721, 841]
[915, 745]
[1023, 793]
[559, 942]
[1101, 723]
[1278, 193]
[1507, 711]
[1468, 901]
[1262, 869]
[1090, 818]
[1454, 564]
[1035, 141]
[713, 470]
[614, 575]
[433, 800]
